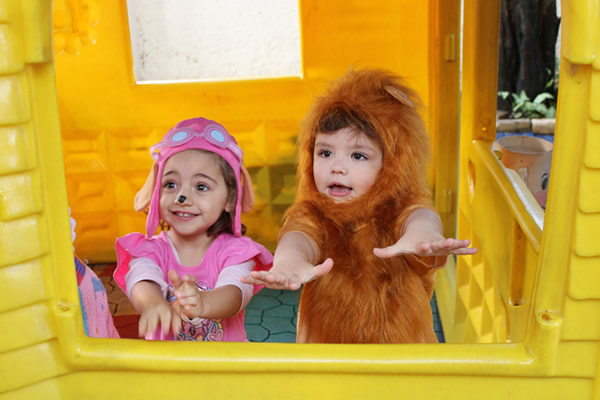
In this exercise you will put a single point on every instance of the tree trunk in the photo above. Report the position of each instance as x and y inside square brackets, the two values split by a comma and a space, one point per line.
[526, 49]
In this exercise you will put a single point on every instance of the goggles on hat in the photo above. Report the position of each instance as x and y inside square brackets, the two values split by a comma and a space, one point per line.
[214, 134]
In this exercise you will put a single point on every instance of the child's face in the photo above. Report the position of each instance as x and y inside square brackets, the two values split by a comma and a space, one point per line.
[346, 164]
[193, 193]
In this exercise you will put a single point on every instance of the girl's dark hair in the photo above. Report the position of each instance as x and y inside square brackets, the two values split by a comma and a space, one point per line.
[225, 221]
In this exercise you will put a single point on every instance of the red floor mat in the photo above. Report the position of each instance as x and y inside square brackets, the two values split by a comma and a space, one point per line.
[127, 325]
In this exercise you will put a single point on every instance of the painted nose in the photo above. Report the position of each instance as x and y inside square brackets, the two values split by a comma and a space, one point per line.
[181, 199]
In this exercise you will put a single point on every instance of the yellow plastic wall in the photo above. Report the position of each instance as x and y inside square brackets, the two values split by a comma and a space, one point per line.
[108, 122]
[522, 316]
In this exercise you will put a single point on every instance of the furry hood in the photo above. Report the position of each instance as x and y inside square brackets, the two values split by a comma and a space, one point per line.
[382, 101]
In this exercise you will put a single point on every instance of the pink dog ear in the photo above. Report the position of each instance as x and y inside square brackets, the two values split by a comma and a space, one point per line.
[247, 191]
[144, 196]
[399, 95]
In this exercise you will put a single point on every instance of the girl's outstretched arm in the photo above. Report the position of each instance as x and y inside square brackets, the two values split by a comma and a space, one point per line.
[293, 264]
[422, 235]
[218, 303]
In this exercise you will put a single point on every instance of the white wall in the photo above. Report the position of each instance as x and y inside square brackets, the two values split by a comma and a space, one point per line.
[214, 39]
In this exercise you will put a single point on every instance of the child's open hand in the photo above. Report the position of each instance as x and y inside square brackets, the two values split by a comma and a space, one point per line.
[187, 294]
[289, 279]
[425, 248]
[422, 236]
[155, 314]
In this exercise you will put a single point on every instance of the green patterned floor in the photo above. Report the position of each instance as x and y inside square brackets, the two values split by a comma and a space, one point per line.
[271, 316]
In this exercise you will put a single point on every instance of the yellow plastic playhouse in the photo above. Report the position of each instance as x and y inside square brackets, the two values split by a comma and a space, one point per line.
[521, 318]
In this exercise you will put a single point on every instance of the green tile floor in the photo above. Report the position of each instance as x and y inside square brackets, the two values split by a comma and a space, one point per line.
[271, 316]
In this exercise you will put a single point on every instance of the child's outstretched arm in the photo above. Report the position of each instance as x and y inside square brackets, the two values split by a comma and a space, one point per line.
[422, 235]
[218, 303]
[293, 264]
[154, 310]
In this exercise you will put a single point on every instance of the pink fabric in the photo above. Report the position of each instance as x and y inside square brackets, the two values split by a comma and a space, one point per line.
[232, 275]
[226, 250]
[94, 303]
[144, 269]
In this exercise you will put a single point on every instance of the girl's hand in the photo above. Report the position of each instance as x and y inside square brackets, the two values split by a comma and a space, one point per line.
[275, 279]
[188, 296]
[426, 247]
[158, 313]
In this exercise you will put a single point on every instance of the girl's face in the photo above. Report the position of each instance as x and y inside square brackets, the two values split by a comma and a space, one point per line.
[345, 164]
[193, 192]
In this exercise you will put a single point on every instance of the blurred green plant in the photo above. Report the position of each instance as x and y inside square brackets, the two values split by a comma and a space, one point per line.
[523, 107]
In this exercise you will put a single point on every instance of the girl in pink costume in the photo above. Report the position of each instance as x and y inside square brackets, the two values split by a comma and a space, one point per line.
[185, 280]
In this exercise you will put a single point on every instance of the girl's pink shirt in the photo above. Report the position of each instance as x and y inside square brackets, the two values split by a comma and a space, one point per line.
[226, 250]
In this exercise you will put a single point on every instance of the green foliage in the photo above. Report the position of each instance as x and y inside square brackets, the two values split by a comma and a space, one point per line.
[523, 107]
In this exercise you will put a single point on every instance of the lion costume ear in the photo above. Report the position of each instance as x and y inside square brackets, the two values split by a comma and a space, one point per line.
[399, 95]
[247, 191]
[144, 196]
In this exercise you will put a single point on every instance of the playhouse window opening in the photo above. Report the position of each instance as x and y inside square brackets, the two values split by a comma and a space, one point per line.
[187, 40]
[147, 48]
[528, 92]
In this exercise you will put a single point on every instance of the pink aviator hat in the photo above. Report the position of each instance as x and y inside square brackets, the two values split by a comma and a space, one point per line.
[203, 134]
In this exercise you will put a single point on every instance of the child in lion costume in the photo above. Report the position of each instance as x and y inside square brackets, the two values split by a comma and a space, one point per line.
[362, 235]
